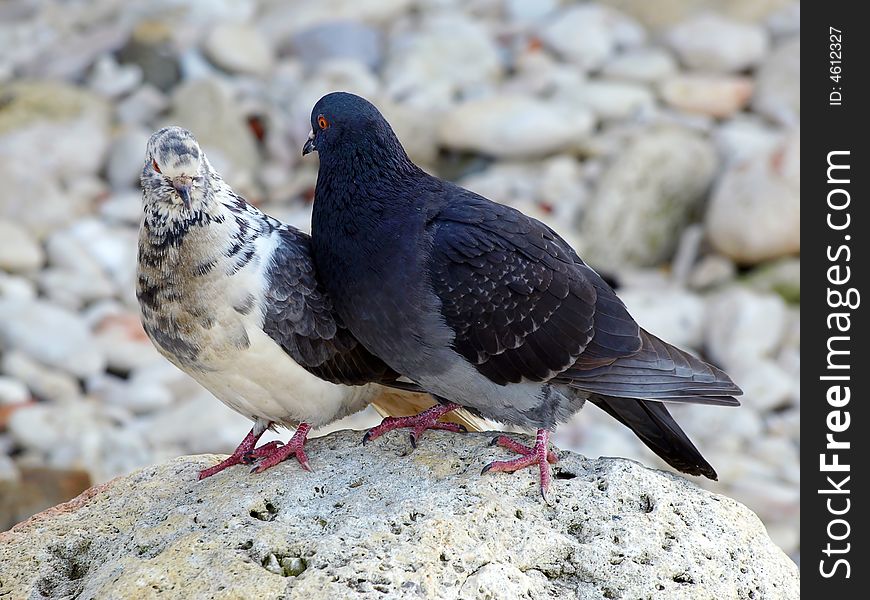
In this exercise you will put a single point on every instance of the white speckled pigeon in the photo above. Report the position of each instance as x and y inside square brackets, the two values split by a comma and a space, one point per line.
[229, 295]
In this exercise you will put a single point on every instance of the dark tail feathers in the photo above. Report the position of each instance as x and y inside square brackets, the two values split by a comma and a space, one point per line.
[655, 426]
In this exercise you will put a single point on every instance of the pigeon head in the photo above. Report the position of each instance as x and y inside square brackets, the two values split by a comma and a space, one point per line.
[175, 167]
[347, 127]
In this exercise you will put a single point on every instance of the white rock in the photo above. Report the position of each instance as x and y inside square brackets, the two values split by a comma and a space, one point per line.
[344, 40]
[710, 271]
[742, 138]
[112, 80]
[166, 375]
[200, 11]
[778, 83]
[19, 252]
[523, 11]
[513, 183]
[55, 129]
[112, 248]
[73, 289]
[687, 253]
[70, 252]
[346, 75]
[514, 126]
[673, 314]
[785, 423]
[124, 207]
[562, 186]
[44, 382]
[766, 386]
[12, 391]
[141, 106]
[781, 453]
[15, 287]
[78, 435]
[754, 212]
[785, 21]
[54, 336]
[783, 277]
[786, 536]
[126, 157]
[198, 423]
[587, 35]
[644, 198]
[502, 581]
[777, 497]
[551, 190]
[208, 109]
[724, 434]
[416, 129]
[8, 470]
[36, 426]
[644, 65]
[662, 15]
[21, 184]
[239, 48]
[715, 43]
[615, 100]
[426, 526]
[744, 326]
[713, 95]
[539, 73]
[280, 20]
[122, 339]
[449, 55]
[142, 398]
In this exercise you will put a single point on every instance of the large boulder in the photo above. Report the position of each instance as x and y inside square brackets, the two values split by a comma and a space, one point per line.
[645, 198]
[385, 522]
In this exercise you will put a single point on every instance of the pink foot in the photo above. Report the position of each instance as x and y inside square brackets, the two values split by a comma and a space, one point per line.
[538, 455]
[296, 447]
[241, 454]
[428, 419]
[261, 452]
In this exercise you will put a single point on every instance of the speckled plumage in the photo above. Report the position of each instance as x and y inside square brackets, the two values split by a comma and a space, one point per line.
[228, 295]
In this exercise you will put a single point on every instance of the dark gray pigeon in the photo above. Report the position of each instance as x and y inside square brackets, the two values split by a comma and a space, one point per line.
[229, 295]
[483, 306]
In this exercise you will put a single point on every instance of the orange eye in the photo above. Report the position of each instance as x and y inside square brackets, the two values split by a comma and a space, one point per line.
[154, 164]
[322, 122]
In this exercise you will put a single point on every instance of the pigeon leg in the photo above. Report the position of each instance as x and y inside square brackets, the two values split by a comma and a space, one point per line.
[506, 442]
[428, 419]
[538, 455]
[245, 449]
[296, 447]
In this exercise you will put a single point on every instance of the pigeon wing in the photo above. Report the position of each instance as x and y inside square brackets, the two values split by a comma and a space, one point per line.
[520, 302]
[300, 318]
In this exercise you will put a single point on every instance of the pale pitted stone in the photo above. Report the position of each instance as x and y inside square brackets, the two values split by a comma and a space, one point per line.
[645, 198]
[383, 523]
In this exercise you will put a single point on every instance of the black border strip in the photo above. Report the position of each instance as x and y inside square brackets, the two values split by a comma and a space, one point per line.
[834, 232]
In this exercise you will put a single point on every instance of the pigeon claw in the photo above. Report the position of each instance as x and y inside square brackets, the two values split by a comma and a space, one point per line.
[513, 445]
[538, 455]
[239, 454]
[265, 450]
[294, 447]
[428, 419]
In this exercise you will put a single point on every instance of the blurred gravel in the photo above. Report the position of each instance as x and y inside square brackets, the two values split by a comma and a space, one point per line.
[661, 139]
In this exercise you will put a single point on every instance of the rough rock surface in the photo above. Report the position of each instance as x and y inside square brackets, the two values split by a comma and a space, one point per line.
[386, 523]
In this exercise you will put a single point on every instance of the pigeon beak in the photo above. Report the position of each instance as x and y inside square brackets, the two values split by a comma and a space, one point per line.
[309, 145]
[182, 185]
